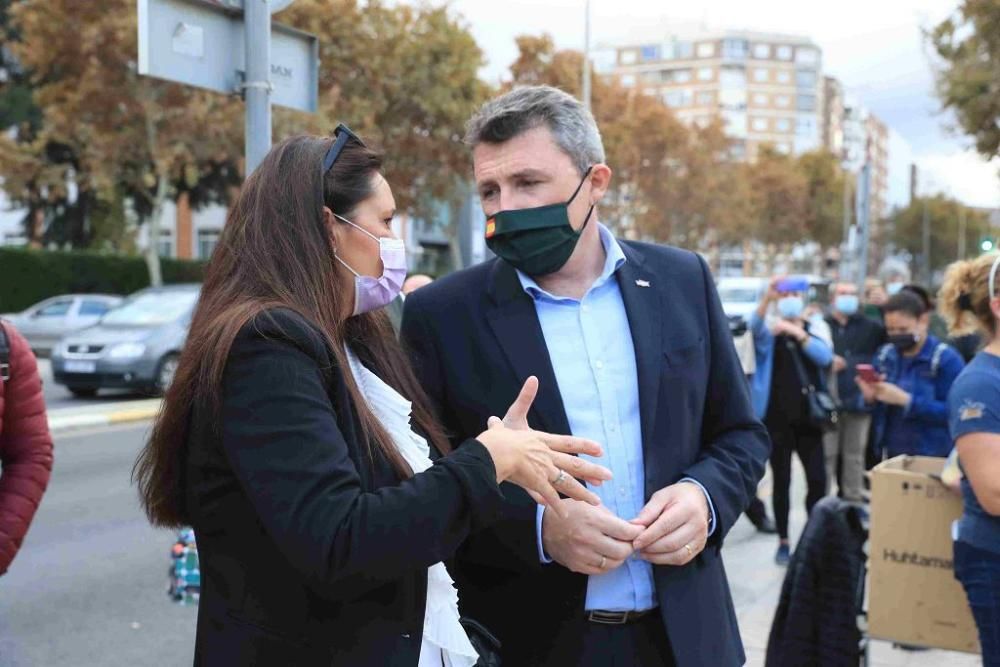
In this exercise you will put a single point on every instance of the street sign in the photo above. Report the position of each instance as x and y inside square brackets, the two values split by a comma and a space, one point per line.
[202, 43]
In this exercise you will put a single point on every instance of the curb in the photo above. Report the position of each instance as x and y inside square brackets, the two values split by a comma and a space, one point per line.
[59, 423]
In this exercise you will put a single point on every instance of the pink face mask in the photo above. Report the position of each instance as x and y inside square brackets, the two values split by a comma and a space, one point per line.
[374, 293]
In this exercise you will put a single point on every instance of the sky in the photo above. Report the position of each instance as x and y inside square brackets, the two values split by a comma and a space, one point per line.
[875, 48]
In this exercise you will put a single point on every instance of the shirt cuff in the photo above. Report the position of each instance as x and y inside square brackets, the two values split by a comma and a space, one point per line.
[711, 508]
[542, 556]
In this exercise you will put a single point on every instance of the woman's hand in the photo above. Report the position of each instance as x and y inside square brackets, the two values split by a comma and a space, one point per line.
[791, 330]
[890, 394]
[867, 389]
[561, 465]
[542, 464]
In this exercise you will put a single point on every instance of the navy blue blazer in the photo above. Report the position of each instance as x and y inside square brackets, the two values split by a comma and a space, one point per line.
[474, 337]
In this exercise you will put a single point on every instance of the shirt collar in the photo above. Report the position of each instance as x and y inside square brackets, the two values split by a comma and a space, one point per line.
[613, 260]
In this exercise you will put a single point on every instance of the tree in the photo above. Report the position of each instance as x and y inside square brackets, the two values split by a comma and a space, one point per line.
[123, 134]
[824, 221]
[944, 216]
[780, 198]
[405, 78]
[968, 79]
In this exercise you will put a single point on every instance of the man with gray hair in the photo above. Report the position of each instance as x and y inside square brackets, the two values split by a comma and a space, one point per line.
[630, 347]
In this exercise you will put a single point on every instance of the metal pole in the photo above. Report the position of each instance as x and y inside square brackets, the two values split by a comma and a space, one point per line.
[961, 233]
[864, 223]
[586, 58]
[926, 224]
[257, 24]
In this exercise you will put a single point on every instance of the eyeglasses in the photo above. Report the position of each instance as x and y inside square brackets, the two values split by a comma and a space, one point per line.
[342, 134]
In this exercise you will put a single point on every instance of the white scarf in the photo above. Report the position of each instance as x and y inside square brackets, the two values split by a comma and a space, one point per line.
[444, 640]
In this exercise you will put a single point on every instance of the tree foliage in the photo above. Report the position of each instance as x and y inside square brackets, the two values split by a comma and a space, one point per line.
[968, 80]
[944, 216]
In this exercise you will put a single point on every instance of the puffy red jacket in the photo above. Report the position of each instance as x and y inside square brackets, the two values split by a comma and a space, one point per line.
[25, 446]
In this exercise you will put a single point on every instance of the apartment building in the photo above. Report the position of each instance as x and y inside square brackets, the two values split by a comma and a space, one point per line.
[767, 87]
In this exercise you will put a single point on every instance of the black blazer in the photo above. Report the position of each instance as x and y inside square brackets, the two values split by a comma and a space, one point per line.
[312, 552]
[475, 338]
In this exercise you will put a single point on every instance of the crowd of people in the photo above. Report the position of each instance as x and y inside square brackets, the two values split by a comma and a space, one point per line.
[894, 368]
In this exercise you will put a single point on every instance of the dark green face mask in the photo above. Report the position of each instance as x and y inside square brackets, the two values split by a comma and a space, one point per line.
[539, 240]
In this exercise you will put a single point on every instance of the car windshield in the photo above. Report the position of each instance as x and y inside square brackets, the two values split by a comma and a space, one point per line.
[152, 309]
[738, 295]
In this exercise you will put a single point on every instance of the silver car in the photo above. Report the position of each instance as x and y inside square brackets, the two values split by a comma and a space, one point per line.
[45, 323]
[135, 346]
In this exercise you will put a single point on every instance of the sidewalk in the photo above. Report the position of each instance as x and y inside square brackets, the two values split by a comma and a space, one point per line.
[105, 414]
[756, 581]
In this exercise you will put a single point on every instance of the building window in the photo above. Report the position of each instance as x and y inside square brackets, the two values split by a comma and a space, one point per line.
[628, 80]
[762, 51]
[705, 73]
[653, 76]
[760, 99]
[759, 125]
[783, 76]
[733, 98]
[683, 50]
[165, 246]
[628, 57]
[706, 49]
[807, 103]
[783, 147]
[734, 49]
[680, 76]
[706, 99]
[783, 101]
[807, 56]
[207, 240]
[761, 74]
[782, 125]
[678, 98]
[784, 52]
[805, 78]
[649, 53]
[805, 126]
[736, 124]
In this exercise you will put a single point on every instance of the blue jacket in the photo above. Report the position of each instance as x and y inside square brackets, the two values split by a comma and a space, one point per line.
[760, 387]
[921, 429]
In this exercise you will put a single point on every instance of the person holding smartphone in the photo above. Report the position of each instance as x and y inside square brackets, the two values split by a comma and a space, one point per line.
[909, 388]
[787, 349]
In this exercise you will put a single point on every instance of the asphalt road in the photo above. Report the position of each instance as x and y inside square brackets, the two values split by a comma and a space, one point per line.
[88, 587]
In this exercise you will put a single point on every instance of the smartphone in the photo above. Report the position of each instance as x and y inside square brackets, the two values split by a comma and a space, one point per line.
[868, 373]
[788, 285]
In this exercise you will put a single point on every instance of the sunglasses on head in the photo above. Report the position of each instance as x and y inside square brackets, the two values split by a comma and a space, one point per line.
[342, 134]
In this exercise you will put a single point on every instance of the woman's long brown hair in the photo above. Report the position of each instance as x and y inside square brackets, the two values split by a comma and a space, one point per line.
[275, 252]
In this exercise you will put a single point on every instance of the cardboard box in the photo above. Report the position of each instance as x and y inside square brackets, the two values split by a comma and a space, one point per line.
[913, 596]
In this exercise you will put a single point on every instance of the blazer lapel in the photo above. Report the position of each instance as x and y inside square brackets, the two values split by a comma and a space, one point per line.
[515, 323]
[644, 308]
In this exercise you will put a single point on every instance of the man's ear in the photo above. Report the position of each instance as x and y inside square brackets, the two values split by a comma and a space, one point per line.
[600, 180]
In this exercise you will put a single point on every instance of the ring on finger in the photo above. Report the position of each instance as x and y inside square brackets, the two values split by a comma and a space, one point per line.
[689, 550]
[560, 478]
[604, 561]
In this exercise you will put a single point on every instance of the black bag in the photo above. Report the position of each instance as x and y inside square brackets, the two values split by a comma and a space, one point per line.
[823, 411]
[485, 643]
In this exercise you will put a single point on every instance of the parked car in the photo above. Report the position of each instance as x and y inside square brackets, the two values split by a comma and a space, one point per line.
[740, 296]
[135, 346]
[45, 323]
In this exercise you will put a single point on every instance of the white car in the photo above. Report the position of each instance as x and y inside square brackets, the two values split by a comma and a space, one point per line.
[740, 296]
[45, 323]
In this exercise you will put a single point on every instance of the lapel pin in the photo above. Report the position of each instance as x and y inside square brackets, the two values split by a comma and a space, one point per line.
[642, 283]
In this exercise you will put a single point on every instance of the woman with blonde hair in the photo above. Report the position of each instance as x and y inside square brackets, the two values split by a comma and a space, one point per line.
[970, 301]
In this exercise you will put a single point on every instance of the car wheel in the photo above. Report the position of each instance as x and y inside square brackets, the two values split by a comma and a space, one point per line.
[165, 373]
[83, 392]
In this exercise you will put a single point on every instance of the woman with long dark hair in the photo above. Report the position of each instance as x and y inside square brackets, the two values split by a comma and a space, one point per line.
[285, 439]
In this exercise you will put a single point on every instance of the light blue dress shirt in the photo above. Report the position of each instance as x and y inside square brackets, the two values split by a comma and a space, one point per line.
[590, 346]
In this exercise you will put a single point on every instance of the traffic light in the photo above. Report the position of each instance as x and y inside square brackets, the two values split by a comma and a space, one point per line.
[987, 243]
